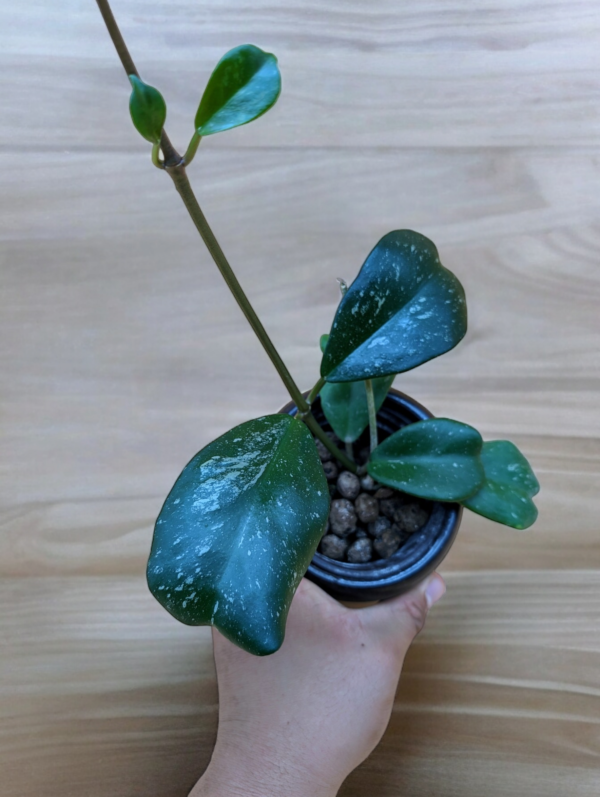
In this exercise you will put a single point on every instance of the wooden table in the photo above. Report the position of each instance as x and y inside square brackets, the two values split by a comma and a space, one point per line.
[123, 354]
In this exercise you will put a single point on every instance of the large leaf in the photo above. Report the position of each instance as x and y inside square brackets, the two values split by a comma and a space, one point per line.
[238, 530]
[345, 405]
[244, 85]
[436, 459]
[403, 309]
[148, 109]
[509, 486]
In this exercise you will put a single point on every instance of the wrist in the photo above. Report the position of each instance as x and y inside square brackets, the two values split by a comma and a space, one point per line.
[241, 775]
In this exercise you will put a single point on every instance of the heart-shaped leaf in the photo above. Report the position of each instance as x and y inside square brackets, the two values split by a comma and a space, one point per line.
[238, 531]
[403, 309]
[345, 405]
[509, 486]
[244, 85]
[436, 459]
[148, 109]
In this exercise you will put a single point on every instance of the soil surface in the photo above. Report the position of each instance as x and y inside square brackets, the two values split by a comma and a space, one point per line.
[367, 521]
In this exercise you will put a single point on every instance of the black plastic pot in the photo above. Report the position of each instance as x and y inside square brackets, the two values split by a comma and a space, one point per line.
[418, 557]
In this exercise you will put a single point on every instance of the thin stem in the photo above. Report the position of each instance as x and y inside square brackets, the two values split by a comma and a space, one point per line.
[174, 166]
[314, 427]
[117, 38]
[315, 391]
[182, 184]
[172, 157]
[192, 148]
[372, 414]
[350, 451]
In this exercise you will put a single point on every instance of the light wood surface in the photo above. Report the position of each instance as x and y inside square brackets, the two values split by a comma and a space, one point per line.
[122, 354]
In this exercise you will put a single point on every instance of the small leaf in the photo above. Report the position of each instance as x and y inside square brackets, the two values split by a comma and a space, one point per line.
[345, 405]
[148, 109]
[238, 531]
[436, 459]
[403, 309]
[509, 486]
[323, 342]
[244, 85]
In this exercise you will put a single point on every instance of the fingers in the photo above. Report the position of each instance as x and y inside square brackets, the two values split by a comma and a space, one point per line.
[313, 595]
[404, 617]
[435, 588]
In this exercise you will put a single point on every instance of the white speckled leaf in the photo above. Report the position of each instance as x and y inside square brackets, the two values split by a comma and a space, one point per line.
[403, 309]
[436, 459]
[238, 530]
[509, 486]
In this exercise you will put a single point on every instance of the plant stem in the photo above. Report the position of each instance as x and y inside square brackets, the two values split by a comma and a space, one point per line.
[315, 391]
[372, 414]
[117, 39]
[314, 427]
[175, 168]
[174, 165]
[182, 184]
[172, 157]
[350, 451]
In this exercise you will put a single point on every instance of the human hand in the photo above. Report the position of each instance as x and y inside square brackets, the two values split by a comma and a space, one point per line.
[296, 723]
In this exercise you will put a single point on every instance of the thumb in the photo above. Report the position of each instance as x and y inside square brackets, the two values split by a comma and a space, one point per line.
[404, 617]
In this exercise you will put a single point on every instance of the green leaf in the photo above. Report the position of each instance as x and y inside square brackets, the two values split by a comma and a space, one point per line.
[436, 459]
[345, 405]
[403, 309]
[238, 531]
[509, 486]
[148, 109]
[244, 85]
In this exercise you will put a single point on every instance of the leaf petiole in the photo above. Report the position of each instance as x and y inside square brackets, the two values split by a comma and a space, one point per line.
[315, 391]
[318, 432]
[156, 160]
[372, 414]
[192, 148]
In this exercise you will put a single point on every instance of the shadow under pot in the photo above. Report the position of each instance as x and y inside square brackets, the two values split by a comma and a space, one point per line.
[418, 556]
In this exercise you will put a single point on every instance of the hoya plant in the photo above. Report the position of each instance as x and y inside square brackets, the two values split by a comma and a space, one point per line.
[244, 518]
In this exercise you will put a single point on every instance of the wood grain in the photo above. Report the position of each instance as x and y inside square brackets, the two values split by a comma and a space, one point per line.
[436, 74]
[122, 354]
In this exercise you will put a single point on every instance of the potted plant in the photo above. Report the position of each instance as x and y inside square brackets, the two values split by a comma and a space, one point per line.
[353, 468]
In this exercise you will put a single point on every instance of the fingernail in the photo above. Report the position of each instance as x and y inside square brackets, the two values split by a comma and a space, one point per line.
[434, 589]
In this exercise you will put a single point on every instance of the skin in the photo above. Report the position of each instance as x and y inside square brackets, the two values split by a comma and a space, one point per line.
[296, 723]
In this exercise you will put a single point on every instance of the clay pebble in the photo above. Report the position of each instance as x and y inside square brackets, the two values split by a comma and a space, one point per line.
[360, 551]
[348, 485]
[367, 521]
[334, 547]
[342, 517]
